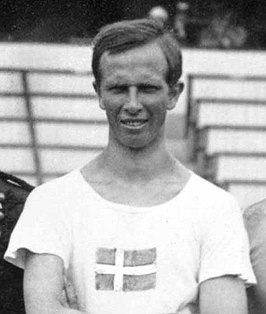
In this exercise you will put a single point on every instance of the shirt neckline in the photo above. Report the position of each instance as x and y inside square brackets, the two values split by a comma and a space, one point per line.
[136, 209]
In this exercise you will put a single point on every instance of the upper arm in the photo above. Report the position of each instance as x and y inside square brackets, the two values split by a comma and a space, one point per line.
[222, 295]
[224, 245]
[260, 288]
[255, 220]
[43, 283]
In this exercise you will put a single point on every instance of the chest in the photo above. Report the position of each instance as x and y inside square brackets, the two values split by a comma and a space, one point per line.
[123, 256]
[172, 237]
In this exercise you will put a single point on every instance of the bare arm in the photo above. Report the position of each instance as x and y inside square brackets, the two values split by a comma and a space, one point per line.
[223, 295]
[44, 284]
[255, 221]
[259, 269]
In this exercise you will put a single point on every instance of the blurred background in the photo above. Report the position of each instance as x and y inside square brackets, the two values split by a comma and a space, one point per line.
[50, 122]
[199, 23]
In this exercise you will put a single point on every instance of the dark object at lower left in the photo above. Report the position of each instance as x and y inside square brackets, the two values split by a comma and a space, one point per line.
[15, 192]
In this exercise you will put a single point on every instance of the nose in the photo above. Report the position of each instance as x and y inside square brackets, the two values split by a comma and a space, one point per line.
[133, 105]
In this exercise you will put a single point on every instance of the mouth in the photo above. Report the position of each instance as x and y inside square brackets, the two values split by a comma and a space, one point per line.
[136, 123]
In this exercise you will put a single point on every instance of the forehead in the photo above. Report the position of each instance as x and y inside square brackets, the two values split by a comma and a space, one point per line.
[145, 62]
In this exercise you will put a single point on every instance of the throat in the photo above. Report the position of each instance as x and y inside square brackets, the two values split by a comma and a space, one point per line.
[136, 189]
[137, 164]
[152, 194]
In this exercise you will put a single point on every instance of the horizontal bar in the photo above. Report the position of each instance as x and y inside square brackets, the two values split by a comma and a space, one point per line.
[54, 120]
[49, 95]
[46, 71]
[230, 77]
[246, 182]
[229, 101]
[52, 147]
[238, 154]
[247, 128]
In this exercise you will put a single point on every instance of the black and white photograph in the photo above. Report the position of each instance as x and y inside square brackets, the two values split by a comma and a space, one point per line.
[133, 157]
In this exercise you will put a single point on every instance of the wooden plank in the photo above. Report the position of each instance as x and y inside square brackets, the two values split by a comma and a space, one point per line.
[10, 82]
[14, 133]
[12, 107]
[95, 135]
[16, 160]
[62, 161]
[60, 83]
[240, 167]
[215, 140]
[232, 114]
[226, 88]
[67, 108]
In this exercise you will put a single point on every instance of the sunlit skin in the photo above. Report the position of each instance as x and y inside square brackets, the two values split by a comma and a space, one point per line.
[135, 95]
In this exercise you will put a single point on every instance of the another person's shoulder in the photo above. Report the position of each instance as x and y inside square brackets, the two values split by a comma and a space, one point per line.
[255, 223]
[255, 215]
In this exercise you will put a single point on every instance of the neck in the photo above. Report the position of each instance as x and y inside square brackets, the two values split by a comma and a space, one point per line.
[137, 164]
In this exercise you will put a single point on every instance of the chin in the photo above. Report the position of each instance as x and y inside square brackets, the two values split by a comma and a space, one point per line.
[136, 144]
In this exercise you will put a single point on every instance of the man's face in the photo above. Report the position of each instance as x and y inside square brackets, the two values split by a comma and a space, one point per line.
[135, 95]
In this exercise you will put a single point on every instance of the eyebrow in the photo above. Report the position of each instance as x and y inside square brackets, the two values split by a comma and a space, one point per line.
[121, 81]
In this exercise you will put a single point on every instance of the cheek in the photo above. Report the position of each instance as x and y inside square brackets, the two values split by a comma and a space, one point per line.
[157, 105]
[113, 102]
[156, 99]
[112, 109]
[112, 113]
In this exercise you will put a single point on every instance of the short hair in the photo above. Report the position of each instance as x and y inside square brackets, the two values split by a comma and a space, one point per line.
[125, 35]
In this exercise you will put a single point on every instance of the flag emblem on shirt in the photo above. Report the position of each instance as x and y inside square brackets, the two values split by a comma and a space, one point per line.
[125, 270]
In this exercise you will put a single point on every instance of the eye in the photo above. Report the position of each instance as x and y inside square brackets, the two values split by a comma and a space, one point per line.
[147, 88]
[118, 89]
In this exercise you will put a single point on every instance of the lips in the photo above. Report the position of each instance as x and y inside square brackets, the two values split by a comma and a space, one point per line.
[135, 123]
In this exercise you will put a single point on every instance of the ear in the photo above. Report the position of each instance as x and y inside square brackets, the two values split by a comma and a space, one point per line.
[96, 87]
[174, 93]
[101, 104]
[98, 92]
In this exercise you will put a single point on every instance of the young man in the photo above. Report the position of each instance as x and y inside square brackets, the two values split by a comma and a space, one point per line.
[134, 231]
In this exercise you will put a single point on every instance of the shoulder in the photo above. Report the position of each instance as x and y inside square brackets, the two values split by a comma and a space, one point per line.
[210, 206]
[57, 187]
[57, 191]
[209, 196]
[255, 217]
